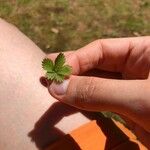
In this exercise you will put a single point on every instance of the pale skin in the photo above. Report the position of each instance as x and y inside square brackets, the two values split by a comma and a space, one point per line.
[23, 100]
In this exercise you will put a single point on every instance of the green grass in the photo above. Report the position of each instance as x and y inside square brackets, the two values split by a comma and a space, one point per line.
[60, 25]
[76, 22]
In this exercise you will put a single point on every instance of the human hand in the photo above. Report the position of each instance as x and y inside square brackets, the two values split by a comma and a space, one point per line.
[129, 97]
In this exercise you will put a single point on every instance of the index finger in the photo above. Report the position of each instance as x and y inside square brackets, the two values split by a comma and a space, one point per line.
[114, 55]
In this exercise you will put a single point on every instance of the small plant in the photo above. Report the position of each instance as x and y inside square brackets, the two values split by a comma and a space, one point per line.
[56, 71]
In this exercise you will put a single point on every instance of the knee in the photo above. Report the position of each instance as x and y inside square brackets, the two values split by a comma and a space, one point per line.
[6, 25]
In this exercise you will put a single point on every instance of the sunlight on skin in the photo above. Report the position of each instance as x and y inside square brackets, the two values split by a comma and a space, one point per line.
[23, 99]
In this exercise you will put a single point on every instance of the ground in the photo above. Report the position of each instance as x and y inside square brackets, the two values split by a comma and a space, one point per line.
[60, 25]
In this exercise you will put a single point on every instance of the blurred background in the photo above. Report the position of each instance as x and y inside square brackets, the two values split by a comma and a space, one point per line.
[60, 25]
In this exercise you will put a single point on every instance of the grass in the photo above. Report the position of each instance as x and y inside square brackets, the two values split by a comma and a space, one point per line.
[60, 25]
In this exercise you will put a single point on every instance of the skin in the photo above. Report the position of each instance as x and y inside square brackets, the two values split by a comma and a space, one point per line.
[29, 117]
[129, 96]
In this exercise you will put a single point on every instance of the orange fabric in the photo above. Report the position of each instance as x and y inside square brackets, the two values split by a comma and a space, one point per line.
[97, 136]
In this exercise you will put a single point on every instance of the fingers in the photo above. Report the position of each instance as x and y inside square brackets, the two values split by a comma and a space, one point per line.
[96, 94]
[117, 55]
[127, 97]
[83, 59]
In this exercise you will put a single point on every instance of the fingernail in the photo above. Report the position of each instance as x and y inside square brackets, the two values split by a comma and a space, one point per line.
[59, 88]
[44, 81]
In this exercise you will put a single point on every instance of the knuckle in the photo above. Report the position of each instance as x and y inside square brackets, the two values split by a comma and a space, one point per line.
[86, 92]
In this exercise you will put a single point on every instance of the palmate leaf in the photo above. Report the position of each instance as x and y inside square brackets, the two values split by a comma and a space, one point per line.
[50, 75]
[54, 76]
[57, 71]
[64, 70]
[59, 61]
[59, 78]
[47, 64]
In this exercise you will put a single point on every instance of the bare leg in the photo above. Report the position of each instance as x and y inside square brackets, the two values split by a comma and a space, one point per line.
[23, 100]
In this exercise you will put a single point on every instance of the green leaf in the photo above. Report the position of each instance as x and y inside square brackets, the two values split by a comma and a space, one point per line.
[57, 71]
[65, 70]
[54, 76]
[59, 61]
[50, 75]
[47, 64]
[59, 78]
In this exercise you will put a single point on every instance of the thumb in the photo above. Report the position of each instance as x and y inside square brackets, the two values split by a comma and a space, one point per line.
[126, 97]
[98, 94]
